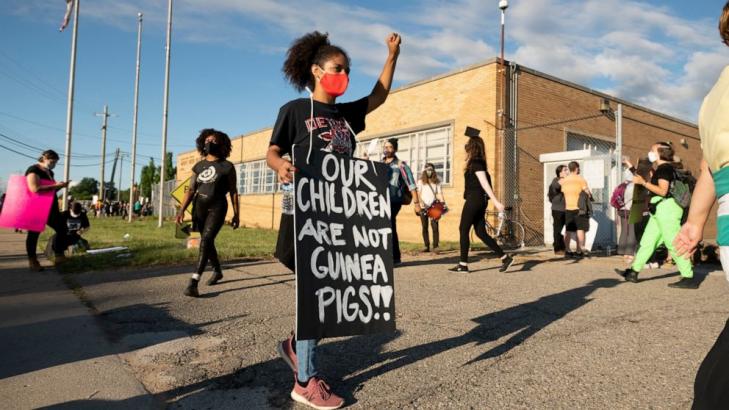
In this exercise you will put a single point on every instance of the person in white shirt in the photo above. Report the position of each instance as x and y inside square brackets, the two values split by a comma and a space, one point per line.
[430, 193]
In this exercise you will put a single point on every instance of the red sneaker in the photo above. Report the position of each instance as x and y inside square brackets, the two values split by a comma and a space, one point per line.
[316, 394]
[286, 351]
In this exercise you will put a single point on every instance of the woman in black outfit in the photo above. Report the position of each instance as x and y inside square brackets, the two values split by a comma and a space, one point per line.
[212, 179]
[477, 192]
[556, 198]
[42, 171]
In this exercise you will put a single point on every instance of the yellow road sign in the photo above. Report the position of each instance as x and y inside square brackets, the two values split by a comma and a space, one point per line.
[179, 193]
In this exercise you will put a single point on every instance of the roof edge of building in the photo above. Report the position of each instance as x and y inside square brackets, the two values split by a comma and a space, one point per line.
[602, 94]
[241, 136]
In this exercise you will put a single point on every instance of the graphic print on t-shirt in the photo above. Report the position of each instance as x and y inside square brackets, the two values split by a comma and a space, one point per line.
[334, 132]
[207, 176]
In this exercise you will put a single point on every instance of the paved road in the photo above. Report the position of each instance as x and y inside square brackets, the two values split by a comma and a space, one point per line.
[548, 334]
[53, 353]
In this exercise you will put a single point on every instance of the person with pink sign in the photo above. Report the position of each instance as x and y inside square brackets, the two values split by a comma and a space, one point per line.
[40, 179]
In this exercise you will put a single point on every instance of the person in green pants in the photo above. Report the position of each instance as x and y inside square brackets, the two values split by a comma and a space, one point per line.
[665, 219]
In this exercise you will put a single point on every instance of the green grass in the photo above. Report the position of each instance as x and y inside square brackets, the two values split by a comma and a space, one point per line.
[152, 246]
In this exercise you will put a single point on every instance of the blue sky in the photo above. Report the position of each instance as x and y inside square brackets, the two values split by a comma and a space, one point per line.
[227, 56]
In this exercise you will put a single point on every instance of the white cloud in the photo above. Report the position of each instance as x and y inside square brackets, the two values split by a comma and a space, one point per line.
[636, 50]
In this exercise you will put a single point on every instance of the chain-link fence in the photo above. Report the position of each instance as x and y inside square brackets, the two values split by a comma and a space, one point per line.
[531, 215]
[168, 205]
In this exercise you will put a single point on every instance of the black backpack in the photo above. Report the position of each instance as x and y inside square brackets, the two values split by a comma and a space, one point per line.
[682, 188]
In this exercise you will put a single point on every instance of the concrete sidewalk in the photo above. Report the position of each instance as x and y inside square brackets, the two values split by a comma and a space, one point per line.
[53, 354]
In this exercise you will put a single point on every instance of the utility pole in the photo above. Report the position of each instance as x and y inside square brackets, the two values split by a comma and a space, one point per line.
[105, 115]
[119, 187]
[165, 112]
[69, 104]
[136, 112]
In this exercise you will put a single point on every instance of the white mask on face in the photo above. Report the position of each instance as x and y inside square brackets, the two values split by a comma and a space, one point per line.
[652, 156]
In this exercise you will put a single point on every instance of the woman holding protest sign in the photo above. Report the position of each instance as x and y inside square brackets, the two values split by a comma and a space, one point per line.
[213, 178]
[318, 122]
[477, 193]
[432, 206]
[43, 171]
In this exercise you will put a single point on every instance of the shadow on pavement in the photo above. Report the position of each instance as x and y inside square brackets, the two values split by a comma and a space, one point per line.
[363, 356]
[139, 325]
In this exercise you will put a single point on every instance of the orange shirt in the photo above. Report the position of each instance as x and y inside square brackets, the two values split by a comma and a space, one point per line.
[572, 185]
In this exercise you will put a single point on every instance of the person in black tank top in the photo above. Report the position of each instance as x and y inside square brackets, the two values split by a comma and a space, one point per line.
[213, 178]
[43, 171]
[477, 193]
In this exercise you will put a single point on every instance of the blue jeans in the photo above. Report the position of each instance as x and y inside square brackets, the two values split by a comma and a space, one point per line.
[306, 356]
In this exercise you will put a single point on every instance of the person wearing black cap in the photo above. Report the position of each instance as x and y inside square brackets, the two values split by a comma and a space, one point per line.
[403, 190]
[477, 193]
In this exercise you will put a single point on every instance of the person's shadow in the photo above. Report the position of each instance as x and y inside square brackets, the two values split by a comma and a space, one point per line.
[523, 321]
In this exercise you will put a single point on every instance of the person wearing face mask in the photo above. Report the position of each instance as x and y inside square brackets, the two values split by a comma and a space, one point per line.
[665, 219]
[321, 123]
[77, 222]
[556, 198]
[43, 171]
[213, 178]
[429, 189]
[401, 183]
[712, 378]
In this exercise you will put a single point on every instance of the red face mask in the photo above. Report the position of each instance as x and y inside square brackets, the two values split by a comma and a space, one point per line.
[334, 84]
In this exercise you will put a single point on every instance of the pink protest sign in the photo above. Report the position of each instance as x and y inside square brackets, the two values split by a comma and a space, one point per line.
[24, 209]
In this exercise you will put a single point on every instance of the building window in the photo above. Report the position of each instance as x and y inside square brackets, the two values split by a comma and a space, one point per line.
[576, 142]
[419, 148]
[256, 178]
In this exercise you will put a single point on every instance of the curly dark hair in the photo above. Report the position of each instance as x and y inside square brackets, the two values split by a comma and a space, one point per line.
[311, 48]
[220, 137]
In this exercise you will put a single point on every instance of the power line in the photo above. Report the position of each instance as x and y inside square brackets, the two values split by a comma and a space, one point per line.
[19, 153]
[42, 149]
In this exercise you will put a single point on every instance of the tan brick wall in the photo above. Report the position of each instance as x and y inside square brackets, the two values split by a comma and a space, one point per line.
[470, 98]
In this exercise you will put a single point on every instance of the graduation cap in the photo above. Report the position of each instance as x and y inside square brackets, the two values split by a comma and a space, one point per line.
[472, 132]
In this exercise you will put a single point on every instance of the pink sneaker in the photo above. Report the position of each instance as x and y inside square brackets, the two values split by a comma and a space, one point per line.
[286, 351]
[316, 394]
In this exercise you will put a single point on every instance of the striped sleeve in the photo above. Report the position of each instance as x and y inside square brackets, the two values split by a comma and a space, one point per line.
[407, 176]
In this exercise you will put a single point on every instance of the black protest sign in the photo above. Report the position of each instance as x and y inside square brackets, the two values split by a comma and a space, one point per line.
[344, 270]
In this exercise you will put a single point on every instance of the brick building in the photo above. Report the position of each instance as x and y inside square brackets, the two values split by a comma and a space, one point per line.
[542, 114]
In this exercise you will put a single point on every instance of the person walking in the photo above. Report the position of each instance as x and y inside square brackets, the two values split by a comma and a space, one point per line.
[665, 219]
[403, 190]
[429, 190]
[577, 219]
[317, 122]
[556, 198]
[477, 193]
[622, 200]
[43, 171]
[213, 178]
[712, 378]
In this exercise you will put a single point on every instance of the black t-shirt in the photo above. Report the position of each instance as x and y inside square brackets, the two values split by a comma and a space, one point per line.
[330, 131]
[473, 185]
[214, 179]
[75, 223]
[41, 172]
[664, 171]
